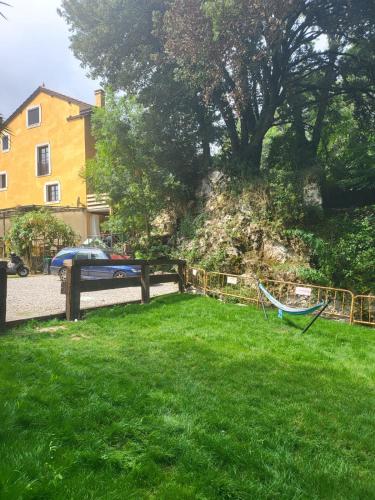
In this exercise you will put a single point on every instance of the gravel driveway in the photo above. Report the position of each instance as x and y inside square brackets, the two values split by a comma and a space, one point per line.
[40, 296]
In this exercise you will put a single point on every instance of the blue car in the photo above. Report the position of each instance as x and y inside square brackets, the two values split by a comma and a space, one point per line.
[92, 272]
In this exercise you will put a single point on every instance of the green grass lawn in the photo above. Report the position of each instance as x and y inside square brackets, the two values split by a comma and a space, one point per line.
[187, 398]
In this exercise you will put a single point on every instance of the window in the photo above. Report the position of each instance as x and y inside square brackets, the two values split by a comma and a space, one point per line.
[98, 254]
[82, 256]
[43, 166]
[52, 192]
[5, 142]
[64, 252]
[3, 181]
[33, 117]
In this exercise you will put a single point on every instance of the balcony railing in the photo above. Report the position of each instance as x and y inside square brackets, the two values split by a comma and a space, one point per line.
[97, 203]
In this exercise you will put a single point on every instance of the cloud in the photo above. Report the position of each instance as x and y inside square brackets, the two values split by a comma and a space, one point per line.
[35, 50]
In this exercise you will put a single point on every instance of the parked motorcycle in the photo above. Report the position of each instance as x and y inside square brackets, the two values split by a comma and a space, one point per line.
[16, 266]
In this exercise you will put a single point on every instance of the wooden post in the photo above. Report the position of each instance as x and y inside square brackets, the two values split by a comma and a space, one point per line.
[181, 275]
[145, 283]
[73, 290]
[3, 294]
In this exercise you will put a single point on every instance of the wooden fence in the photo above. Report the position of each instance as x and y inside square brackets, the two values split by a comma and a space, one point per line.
[3, 293]
[74, 285]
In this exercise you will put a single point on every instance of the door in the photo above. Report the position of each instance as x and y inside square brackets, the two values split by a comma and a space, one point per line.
[100, 272]
[84, 255]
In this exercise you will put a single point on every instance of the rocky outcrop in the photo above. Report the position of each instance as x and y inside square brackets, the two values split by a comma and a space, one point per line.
[236, 236]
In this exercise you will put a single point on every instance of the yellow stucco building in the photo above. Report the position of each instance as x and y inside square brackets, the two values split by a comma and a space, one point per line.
[42, 157]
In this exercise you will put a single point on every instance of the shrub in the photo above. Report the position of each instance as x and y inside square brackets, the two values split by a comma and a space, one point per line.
[352, 258]
[342, 251]
[38, 226]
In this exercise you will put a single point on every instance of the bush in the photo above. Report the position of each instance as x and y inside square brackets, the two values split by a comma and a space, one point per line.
[352, 256]
[215, 261]
[38, 226]
[190, 224]
[312, 276]
[342, 252]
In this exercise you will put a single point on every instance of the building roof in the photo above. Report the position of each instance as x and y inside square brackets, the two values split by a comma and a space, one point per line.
[84, 107]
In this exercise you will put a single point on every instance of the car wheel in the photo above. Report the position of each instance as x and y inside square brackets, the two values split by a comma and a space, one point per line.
[62, 274]
[119, 274]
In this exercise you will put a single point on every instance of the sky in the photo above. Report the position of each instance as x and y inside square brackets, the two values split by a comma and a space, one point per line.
[34, 43]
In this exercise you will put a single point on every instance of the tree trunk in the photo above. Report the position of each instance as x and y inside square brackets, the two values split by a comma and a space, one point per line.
[148, 229]
[230, 122]
[204, 133]
[252, 159]
[329, 79]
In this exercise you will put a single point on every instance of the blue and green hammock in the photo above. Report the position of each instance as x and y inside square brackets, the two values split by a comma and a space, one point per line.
[296, 311]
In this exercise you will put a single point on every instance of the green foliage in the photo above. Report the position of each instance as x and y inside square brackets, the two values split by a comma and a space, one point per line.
[213, 69]
[251, 57]
[284, 181]
[343, 251]
[154, 248]
[353, 253]
[214, 261]
[316, 244]
[38, 226]
[188, 232]
[120, 42]
[247, 77]
[115, 225]
[125, 168]
[190, 224]
[348, 149]
[312, 276]
[187, 398]
[189, 251]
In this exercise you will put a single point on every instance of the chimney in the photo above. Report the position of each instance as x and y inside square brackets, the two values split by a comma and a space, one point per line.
[99, 98]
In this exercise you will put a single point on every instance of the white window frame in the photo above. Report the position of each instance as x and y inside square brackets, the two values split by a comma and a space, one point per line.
[4, 172]
[49, 159]
[40, 116]
[8, 135]
[52, 183]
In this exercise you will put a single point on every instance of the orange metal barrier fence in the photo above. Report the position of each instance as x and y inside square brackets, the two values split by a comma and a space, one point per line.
[302, 295]
[343, 303]
[231, 285]
[364, 310]
[196, 277]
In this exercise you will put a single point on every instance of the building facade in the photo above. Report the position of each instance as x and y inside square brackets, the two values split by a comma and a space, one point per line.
[43, 153]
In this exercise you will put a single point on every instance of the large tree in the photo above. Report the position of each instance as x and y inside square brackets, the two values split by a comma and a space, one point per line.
[240, 65]
[253, 56]
[125, 168]
[118, 42]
